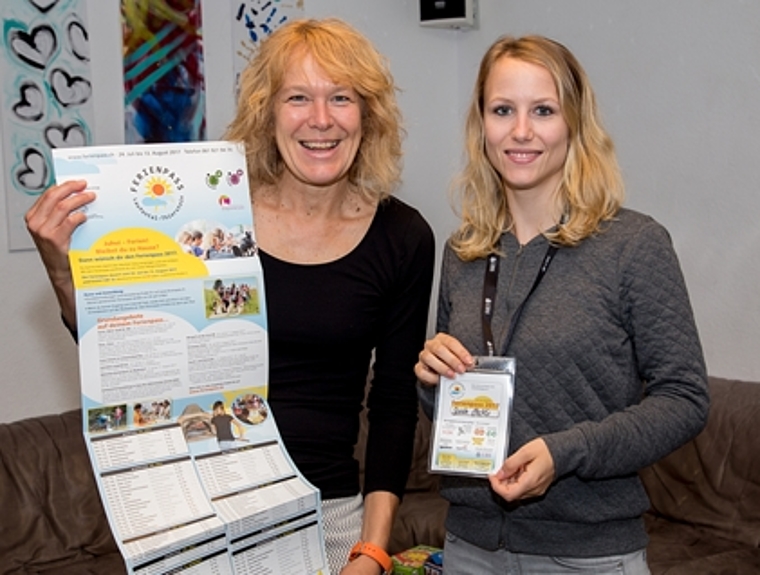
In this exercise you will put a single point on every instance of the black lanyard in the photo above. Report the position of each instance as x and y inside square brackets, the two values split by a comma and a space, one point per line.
[489, 295]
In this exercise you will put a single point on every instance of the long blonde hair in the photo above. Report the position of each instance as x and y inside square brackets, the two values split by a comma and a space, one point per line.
[591, 190]
[347, 57]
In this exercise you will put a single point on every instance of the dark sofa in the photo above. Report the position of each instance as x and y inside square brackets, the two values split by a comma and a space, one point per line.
[705, 516]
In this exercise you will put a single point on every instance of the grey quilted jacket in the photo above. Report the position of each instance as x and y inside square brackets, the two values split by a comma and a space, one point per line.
[610, 373]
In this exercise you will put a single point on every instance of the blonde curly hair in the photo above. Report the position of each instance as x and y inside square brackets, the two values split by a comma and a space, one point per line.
[348, 58]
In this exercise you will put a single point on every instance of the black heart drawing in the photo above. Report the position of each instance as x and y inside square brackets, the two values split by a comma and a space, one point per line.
[60, 136]
[34, 175]
[35, 48]
[79, 41]
[69, 90]
[31, 104]
[44, 5]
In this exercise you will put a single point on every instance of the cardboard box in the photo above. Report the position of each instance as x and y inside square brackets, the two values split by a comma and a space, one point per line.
[434, 564]
[412, 561]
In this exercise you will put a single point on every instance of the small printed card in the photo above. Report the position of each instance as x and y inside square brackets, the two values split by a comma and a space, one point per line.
[472, 417]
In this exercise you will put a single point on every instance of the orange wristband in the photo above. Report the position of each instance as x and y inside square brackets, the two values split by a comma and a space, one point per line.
[374, 552]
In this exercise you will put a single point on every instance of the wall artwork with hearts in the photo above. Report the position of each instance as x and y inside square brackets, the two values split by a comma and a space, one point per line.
[48, 98]
[46, 92]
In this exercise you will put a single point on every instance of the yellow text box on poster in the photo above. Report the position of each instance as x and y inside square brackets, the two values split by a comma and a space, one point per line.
[133, 255]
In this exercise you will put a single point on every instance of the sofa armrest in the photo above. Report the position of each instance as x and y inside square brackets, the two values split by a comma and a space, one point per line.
[713, 482]
[49, 503]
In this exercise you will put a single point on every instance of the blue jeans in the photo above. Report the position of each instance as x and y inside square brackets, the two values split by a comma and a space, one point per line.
[463, 558]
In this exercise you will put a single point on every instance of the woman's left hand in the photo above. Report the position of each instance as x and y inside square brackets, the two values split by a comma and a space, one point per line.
[528, 472]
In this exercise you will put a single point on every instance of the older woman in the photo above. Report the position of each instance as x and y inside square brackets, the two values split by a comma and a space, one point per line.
[347, 268]
[589, 300]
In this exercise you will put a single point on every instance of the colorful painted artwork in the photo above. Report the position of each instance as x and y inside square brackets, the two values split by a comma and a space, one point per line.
[254, 20]
[46, 98]
[164, 84]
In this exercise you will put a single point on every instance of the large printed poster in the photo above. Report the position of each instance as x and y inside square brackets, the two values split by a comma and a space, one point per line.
[46, 98]
[174, 365]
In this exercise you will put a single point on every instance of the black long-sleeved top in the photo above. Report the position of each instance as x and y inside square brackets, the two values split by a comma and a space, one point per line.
[324, 322]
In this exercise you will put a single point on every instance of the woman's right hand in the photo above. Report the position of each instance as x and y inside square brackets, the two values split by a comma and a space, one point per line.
[51, 221]
[442, 355]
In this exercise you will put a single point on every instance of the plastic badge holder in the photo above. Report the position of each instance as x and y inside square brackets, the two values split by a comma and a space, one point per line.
[471, 421]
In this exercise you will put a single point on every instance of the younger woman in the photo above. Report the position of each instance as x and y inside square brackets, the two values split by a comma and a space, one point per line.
[589, 300]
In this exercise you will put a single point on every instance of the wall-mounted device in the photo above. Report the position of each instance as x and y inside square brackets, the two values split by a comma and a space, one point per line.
[448, 13]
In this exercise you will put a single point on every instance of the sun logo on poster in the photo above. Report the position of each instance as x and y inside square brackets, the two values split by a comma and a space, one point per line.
[157, 192]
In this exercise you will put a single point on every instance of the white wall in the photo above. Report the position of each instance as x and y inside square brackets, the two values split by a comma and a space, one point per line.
[678, 83]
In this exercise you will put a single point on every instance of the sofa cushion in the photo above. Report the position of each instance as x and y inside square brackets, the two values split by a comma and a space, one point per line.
[680, 549]
[713, 482]
[420, 521]
[421, 517]
[419, 477]
[52, 517]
